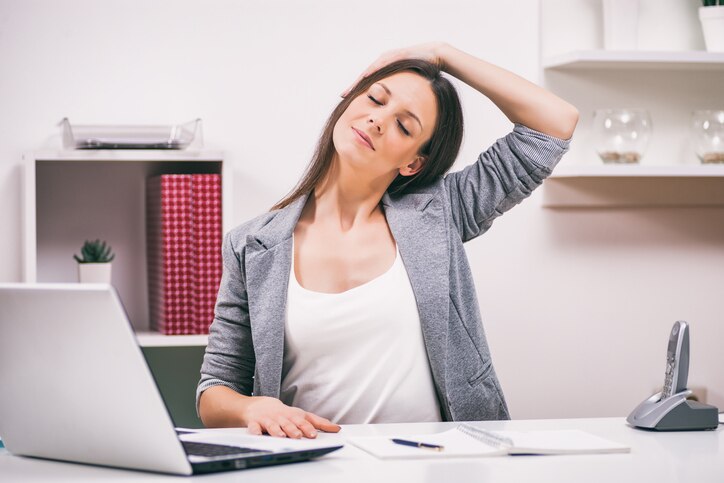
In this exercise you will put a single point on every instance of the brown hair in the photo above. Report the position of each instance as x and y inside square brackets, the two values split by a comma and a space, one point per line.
[440, 151]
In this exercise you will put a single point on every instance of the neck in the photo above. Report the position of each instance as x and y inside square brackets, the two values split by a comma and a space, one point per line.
[348, 197]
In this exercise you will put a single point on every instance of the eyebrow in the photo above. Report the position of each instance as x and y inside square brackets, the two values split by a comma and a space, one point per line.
[408, 112]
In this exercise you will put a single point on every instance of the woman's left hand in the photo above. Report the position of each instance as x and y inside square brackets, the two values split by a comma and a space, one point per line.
[429, 51]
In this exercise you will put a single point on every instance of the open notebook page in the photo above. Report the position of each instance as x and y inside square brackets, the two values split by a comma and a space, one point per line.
[466, 440]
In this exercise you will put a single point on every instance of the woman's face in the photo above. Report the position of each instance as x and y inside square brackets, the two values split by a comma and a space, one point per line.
[383, 129]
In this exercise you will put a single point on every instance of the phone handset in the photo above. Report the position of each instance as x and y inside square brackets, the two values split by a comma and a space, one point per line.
[670, 410]
[677, 360]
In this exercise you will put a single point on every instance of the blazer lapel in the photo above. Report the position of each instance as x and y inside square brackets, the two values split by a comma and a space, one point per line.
[418, 225]
[268, 263]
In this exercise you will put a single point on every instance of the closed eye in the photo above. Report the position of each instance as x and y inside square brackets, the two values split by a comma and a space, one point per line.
[399, 124]
[374, 100]
[402, 128]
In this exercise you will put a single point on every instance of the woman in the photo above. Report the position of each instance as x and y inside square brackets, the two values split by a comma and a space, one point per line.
[352, 301]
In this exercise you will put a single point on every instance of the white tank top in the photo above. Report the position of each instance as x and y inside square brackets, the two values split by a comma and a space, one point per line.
[358, 356]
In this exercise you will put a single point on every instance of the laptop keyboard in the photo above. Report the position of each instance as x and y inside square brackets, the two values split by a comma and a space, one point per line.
[206, 449]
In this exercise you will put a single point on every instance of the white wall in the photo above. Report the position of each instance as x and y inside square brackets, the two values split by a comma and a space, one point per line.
[577, 303]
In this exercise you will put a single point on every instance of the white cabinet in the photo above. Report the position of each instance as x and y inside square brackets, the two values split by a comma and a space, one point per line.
[75, 195]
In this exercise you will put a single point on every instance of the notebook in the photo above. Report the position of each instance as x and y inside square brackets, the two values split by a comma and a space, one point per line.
[466, 440]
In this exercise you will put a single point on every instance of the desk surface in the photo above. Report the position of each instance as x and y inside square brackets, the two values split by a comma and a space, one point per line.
[660, 457]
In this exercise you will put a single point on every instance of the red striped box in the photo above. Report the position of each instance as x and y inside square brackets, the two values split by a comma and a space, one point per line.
[206, 259]
[169, 227]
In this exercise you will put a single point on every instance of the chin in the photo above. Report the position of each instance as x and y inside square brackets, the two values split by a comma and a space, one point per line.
[347, 149]
[351, 158]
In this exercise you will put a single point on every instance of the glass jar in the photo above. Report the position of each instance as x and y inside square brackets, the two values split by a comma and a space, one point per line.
[621, 135]
[707, 135]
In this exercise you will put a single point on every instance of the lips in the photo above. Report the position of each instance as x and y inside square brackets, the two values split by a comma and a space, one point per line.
[365, 138]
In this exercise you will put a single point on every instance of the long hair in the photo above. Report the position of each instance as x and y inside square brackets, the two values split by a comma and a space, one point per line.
[440, 151]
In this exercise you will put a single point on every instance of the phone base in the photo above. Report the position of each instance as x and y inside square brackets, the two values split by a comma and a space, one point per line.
[675, 413]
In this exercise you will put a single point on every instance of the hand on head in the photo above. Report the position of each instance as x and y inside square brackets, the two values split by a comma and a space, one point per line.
[428, 51]
[270, 415]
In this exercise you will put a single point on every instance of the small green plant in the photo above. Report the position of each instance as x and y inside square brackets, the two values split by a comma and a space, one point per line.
[95, 252]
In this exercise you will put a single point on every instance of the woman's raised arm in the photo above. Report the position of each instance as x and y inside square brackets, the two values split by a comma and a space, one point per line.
[521, 101]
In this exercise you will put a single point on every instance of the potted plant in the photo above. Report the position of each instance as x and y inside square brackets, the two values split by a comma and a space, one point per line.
[711, 15]
[95, 264]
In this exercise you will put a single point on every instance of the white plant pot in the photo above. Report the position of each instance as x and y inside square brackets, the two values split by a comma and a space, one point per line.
[712, 25]
[620, 24]
[94, 273]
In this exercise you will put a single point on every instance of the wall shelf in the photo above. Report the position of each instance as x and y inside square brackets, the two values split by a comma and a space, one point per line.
[174, 155]
[635, 59]
[154, 339]
[608, 186]
[638, 170]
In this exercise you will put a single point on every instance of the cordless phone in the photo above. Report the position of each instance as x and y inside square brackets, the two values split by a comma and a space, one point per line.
[677, 360]
[670, 409]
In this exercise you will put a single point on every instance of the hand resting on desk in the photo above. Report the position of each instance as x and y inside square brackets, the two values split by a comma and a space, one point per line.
[220, 406]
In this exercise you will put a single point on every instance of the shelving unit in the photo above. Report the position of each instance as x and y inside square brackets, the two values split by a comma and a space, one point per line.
[74, 195]
[637, 79]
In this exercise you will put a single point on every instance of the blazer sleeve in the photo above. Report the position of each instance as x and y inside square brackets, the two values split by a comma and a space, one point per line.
[229, 359]
[505, 174]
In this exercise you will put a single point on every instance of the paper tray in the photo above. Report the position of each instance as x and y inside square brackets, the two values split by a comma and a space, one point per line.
[177, 136]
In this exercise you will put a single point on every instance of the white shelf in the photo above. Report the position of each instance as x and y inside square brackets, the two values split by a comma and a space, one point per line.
[617, 186]
[636, 59]
[154, 339]
[175, 155]
[638, 171]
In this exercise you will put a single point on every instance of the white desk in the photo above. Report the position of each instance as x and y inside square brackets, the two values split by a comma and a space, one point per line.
[680, 457]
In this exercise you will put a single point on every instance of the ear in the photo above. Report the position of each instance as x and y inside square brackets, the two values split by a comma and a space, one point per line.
[414, 167]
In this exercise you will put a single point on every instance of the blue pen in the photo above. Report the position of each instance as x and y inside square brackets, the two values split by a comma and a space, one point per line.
[417, 444]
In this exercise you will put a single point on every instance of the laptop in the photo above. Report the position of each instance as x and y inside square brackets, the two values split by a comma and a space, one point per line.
[75, 386]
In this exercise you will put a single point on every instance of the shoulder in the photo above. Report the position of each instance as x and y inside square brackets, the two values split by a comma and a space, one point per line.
[238, 236]
[267, 229]
[417, 199]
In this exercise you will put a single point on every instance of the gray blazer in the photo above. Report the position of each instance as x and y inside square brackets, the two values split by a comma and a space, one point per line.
[246, 339]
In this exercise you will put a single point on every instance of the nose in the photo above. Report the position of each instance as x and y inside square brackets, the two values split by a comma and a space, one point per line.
[375, 124]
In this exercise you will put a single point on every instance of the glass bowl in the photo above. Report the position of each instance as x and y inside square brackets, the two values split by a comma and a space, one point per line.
[707, 135]
[621, 136]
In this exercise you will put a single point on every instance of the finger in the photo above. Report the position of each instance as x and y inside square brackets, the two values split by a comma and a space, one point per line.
[323, 423]
[358, 80]
[290, 428]
[376, 65]
[273, 428]
[381, 61]
[348, 89]
[254, 428]
[305, 426]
